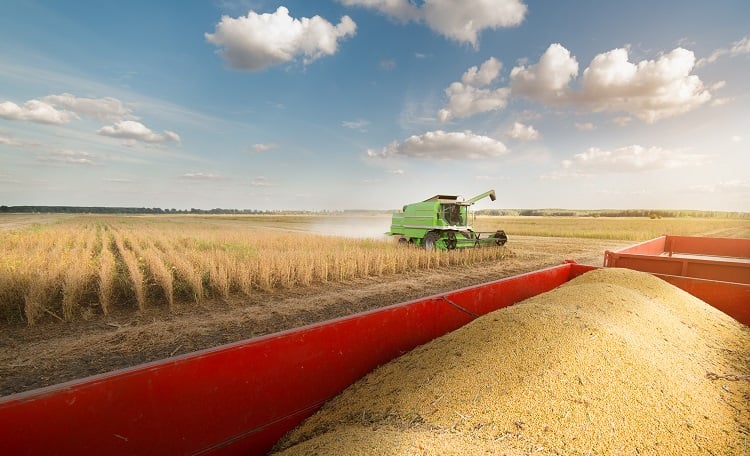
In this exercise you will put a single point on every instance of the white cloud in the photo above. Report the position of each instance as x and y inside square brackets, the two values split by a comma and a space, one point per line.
[36, 111]
[549, 79]
[467, 98]
[443, 145]
[460, 21]
[633, 158]
[400, 10]
[359, 124]
[622, 120]
[731, 186]
[484, 75]
[258, 41]
[463, 21]
[738, 48]
[650, 90]
[465, 101]
[387, 64]
[261, 147]
[521, 132]
[67, 156]
[106, 109]
[65, 107]
[736, 139]
[130, 129]
[201, 176]
[14, 142]
[584, 126]
[560, 175]
[8, 179]
[261, 181]
[398, 172]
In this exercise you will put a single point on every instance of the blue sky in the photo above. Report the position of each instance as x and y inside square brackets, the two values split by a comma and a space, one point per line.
[371, 104]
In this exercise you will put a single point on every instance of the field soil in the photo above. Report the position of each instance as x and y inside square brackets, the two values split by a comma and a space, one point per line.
[55, 352]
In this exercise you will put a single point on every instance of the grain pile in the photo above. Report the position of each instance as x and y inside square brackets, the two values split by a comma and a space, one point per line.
[613, 362]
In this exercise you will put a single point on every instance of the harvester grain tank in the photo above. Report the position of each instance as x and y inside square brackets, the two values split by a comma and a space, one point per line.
[442, 222]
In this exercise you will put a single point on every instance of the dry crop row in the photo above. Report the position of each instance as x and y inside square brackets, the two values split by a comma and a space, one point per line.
[81, 268]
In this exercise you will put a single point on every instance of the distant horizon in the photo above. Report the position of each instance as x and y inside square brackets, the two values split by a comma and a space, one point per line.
[139, 210]
[372, 103]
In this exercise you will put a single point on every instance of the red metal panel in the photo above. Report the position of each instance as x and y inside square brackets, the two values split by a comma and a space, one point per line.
[728, 247]
[722, 259]
[651, 247]
[241, 398]
[702, 268]
[731, 298]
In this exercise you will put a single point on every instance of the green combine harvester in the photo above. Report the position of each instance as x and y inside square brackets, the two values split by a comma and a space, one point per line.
[442, 222]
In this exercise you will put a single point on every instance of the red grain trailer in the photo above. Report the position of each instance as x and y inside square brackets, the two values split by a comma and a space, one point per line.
[242, 397]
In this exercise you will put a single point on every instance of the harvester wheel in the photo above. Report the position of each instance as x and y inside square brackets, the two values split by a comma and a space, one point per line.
[429, 240]
[403, 241]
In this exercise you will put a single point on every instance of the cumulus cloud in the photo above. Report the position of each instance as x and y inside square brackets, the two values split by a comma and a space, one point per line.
[460, 21]
[521, 132]
[443, 145]
[36, 111]
[650, 89]
[468, 97]
[738, 48]
[65, 107]
[130, 129]
[258, 41]
[584, 126]
[484, 75]
[549, 79]
[633, 158]
[106, 109]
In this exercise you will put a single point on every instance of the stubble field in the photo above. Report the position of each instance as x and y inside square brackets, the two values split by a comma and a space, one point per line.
[81, 295]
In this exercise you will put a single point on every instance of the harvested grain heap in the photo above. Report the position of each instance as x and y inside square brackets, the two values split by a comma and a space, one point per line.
[613, 362]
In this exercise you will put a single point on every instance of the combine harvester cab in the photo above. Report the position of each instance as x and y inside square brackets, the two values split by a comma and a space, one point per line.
[442, 222]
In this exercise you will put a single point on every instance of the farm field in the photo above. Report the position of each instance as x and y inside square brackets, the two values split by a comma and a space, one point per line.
[85, 294]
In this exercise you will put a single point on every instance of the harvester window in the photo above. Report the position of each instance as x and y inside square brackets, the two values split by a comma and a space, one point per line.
[452, 214]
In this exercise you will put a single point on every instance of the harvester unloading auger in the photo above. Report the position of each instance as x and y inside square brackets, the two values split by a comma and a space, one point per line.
[442, 222]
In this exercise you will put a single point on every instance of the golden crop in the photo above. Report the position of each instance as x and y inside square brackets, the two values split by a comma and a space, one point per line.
[95, 264]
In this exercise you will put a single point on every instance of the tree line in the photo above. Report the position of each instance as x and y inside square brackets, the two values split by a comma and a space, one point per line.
[648, 213]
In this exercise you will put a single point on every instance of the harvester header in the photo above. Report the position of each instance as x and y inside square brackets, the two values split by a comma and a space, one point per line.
[442, 222]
